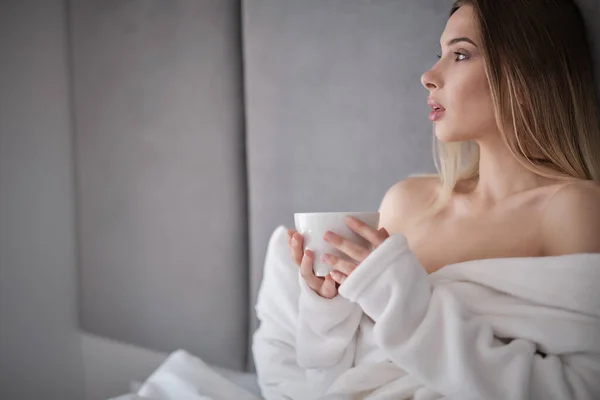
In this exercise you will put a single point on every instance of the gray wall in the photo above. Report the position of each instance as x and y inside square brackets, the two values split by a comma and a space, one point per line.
[161, 178]
[39, 340]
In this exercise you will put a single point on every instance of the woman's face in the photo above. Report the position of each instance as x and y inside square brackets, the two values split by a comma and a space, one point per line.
[458, 83]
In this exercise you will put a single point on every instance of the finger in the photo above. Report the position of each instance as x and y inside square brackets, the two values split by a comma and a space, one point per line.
[354, 250]
[338, 276]
[293, 253]
[306, 271]
[297, 251]
[339, 264]
[329, 289]
[373, 236]
[290, 233]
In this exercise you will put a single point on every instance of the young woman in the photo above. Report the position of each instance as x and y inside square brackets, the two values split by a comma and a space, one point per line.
[517, 128]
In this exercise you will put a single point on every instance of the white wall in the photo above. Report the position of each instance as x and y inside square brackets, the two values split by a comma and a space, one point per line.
[40, 354]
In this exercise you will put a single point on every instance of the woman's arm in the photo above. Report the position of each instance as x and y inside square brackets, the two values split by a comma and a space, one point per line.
[429, 334]
[303, 337]
[325, 337]
[274, 342]
[304, 341]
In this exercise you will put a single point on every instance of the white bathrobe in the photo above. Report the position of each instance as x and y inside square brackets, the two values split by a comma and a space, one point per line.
[505, 328]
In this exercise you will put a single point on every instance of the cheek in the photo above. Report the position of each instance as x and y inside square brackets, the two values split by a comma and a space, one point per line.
[472, 97]
[472, 111]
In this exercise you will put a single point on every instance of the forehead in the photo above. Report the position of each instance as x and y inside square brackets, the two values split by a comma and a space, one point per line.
[461, 23]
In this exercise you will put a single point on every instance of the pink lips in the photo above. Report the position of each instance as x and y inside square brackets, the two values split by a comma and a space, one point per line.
[438, 110]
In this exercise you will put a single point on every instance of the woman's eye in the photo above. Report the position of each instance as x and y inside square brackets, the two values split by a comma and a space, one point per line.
[458, 54]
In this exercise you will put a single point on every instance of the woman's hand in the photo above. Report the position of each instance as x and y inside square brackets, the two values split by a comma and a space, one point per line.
[343, 268]
[324, 287]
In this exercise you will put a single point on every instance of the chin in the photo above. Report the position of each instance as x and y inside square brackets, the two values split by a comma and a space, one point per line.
[449, 136]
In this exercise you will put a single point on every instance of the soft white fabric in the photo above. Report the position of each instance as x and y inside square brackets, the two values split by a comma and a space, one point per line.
[183, 376]
[508, 328]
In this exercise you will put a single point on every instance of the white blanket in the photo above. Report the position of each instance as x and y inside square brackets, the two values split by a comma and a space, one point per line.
[183, 376]
[509, 328]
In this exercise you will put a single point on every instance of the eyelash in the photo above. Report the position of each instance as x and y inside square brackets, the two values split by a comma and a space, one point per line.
[458, 54]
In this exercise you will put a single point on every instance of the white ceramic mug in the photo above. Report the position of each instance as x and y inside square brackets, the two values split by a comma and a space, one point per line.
[312, 226]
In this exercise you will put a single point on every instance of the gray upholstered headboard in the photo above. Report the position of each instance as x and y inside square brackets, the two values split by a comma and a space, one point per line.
[200, 126]
[161, 176]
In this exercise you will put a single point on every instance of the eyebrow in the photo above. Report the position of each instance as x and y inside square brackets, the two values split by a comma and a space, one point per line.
[461, 39]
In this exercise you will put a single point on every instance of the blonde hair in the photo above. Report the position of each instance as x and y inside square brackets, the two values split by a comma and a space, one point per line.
[542, 88]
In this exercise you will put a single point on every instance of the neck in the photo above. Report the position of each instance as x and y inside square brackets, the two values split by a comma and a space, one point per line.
[501, 175]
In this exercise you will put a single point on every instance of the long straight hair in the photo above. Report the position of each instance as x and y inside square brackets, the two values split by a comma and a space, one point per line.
[539, 68]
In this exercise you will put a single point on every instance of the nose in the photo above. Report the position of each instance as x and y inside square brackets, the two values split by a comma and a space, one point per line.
[429, 80]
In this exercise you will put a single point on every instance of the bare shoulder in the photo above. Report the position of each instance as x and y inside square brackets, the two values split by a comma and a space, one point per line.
[571, 220]
[405, 198]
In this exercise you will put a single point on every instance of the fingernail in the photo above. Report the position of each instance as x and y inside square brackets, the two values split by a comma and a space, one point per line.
[308, 253]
